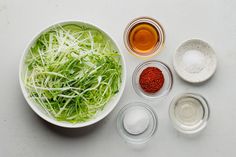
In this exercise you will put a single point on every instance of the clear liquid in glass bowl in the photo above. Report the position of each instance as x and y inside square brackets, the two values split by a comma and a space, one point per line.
[189, 113]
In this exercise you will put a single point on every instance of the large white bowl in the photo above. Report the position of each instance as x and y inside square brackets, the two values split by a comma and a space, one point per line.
[40, 111]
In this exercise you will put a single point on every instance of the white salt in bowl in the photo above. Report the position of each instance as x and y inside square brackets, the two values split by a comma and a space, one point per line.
[195, 61]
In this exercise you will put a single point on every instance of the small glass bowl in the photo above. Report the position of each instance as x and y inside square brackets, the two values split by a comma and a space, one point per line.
[168, 82]
[197, 126]
[147, 133]
[153, 23]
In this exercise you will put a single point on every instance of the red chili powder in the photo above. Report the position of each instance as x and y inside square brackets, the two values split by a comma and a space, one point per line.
[151, 79]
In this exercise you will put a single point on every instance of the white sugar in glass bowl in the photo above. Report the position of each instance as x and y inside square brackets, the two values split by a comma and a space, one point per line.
[195, 61]
[100, 114]
[137, 122]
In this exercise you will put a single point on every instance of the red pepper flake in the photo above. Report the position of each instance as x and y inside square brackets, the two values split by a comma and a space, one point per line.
[151, 79]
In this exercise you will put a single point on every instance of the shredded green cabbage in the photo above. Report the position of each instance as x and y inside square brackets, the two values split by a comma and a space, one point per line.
[72, 72]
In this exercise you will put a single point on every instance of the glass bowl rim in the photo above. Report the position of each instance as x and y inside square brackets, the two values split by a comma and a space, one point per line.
[143, 94]
[152, 22]
[203, 122]
[151, 112]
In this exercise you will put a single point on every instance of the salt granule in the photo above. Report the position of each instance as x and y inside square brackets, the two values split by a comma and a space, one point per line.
[136, 121]
[193, 61]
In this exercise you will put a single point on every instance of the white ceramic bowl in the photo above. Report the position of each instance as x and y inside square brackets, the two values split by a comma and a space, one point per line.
[195, 61]
[39, 110]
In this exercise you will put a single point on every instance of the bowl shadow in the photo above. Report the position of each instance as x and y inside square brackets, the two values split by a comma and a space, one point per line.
[73, 132]
[65, 132]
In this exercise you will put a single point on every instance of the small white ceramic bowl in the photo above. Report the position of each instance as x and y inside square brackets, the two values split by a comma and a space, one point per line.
[39, 110]
[195, 61]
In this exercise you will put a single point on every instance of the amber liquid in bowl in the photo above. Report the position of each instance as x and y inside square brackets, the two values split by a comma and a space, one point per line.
[143, 38]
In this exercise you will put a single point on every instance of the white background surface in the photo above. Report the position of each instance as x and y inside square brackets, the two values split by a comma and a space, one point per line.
[23, 133]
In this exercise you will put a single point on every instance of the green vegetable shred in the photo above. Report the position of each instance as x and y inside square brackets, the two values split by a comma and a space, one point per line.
[72, 71]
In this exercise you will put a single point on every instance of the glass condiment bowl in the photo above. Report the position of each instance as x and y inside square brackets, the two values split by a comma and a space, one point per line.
[188, 126]
[156, 25]
[168, 82]
[143, 136]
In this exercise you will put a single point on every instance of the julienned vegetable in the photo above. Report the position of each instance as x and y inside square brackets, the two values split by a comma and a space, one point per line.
[72, 72]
